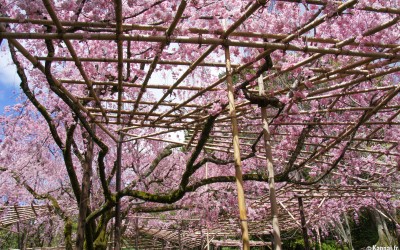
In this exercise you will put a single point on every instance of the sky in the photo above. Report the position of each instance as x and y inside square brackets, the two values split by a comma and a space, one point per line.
[9, 80]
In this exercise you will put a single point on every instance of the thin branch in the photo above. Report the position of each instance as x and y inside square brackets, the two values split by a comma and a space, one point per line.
[104, 148]
[141, 209]
[162, 155]
[25, 88]
[144, 10]
[338, 159]
[69, 162]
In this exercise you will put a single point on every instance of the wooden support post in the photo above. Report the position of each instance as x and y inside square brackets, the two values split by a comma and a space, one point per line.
[319, 239]
[137, 233]
[303, 224]
[18, 227]
[236, 152]
[201, 240]
[180, 239]
[271, 175]
[208, 240]
[117, 232]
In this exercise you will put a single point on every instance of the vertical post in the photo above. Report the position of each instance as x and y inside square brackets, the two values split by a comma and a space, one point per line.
[303, 224]
[208, 240]
[270, 168]
[180, 239]
[201, 239]
[117, 236]
[236, 152]
[319, 239]
[18, 227]
[137, 233]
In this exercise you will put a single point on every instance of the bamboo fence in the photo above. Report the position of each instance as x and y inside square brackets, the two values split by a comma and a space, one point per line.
[122, 117]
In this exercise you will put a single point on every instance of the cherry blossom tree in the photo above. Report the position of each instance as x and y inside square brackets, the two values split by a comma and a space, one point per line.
[330, 73]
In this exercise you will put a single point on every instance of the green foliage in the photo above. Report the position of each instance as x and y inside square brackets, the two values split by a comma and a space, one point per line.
[8, 239]
[298, 244]
[330, 245]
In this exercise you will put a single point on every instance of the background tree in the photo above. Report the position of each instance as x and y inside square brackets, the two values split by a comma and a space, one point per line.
[332, 122]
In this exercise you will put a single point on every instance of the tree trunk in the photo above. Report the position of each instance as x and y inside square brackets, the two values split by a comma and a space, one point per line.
[385, 237]
[348, 231]
[101, 233]
[68, 234]
[85, 196]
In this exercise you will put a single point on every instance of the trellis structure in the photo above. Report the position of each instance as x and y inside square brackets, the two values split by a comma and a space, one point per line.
[194, 235]
[124, 119]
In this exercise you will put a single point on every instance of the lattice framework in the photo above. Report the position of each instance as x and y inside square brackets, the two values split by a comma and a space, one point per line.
[132, 117]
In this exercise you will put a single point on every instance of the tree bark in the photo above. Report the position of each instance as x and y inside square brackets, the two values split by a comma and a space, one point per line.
[385, 237]
[303, 224]
[85, 196]
[68, 234]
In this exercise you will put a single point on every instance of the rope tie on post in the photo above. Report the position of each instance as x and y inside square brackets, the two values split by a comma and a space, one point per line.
[168, 39]
[305, 40]
[200, 40]
[225, 42]
[339, 52]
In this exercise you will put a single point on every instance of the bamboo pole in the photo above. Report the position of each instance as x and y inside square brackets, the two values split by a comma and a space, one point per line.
[139, 27]
[153, 64]
[18, 227]
[337, 45]
[366, 8]
[355, 81]
[236, 150]
[120, 54]
[137, 233]
[126, 84]
[38, 65]
[270, 169]
[214, 42]
[117, 232]
[138, 113]
[184, 63]
[180, 238]
[309, 26]
[72, 52]
[142, 102]
[350, 129]
[139, 61]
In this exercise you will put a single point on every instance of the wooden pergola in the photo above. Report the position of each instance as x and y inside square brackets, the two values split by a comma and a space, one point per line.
[195, 235]
[124, 118]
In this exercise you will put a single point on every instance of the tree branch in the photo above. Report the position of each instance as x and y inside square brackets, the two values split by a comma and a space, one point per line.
[25, 88]
[141, 209]
[162, 155]
[69, 163]
[300, 143]
[340, 157]
[103, 147]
